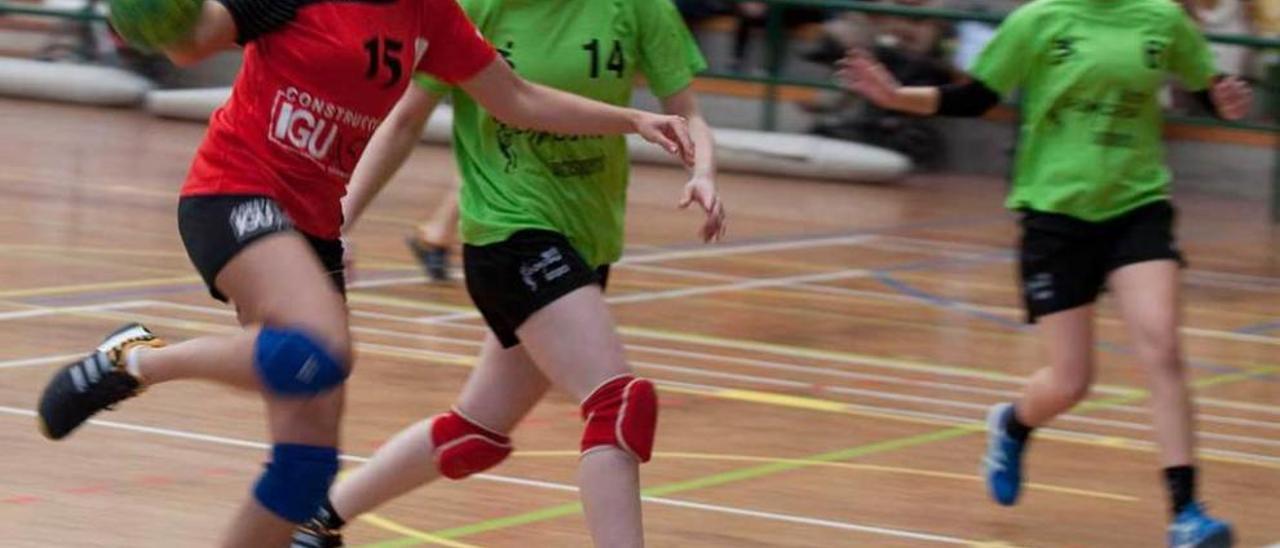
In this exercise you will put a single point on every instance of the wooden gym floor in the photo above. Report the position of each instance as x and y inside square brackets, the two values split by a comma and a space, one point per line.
[823, 371]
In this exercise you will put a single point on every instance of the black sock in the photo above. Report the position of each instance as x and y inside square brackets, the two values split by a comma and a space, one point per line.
[1015, 428]
[1181, 481]
[329, 517]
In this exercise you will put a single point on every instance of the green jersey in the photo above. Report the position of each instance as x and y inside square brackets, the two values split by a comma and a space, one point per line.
[1091, 71]
[515, 179]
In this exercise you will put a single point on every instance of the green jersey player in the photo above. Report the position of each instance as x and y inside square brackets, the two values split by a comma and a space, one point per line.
[541, 221]
[1093, 189]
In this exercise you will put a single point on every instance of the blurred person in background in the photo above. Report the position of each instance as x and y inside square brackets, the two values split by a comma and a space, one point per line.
[755, 15]
[913, 50]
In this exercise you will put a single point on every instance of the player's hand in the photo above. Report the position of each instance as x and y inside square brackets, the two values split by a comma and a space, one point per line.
[702, 190]
[1232, 97]
[669, 132]
[860, 73]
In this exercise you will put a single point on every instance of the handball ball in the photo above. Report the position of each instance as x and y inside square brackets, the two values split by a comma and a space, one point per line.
[154, 24]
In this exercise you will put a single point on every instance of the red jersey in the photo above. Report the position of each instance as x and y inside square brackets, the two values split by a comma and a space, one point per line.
[311, 93]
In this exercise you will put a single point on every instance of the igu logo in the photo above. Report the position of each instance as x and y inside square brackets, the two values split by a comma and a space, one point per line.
[300, 128]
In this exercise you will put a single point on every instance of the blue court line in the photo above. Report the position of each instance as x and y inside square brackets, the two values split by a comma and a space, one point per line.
[1259, 328]
[945, 303]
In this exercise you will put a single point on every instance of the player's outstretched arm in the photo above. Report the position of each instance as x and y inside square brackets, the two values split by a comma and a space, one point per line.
[862, 74]
[216, 31]
[390, 146]
[524, 104]
[701, 188]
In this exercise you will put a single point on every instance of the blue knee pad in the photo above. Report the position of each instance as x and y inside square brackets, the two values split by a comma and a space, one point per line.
[297, 480]
[292, 363]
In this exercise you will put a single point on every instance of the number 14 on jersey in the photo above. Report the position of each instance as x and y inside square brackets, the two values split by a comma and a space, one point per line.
[616, 64]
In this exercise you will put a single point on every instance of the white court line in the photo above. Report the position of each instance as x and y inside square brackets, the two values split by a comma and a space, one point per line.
[754, 379]
[773, 381]
[832, 290]
[44, 360]
[647, 296]
[663, 501]
[738, 249]
[41, 311]
[750, 283]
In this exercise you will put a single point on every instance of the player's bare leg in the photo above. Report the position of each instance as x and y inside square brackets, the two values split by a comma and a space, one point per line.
[279, 282]
[1052, 390]
[1148, 298]
[264, 274]
[501, 390]
[1055, 389]
[575, 343]
[298, 359]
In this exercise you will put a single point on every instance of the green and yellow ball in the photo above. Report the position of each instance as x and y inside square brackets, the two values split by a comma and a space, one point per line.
[154, 24]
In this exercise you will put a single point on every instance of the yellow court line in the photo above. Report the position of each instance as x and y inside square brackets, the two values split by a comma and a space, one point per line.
[33, 256]
[100, 286]
[93, 250]
[831, 406]
[754, 472]
[847, 466]
[832, 355]
[752, 396]
[395, 527]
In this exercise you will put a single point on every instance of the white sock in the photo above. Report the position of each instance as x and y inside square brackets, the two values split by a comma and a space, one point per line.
[131, 362]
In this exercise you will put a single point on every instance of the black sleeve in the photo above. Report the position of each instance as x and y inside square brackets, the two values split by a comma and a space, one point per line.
[1206, 101]
[970, 99]
[255, 18]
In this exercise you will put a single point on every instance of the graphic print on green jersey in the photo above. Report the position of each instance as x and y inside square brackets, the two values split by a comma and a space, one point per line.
[515, 179]
[1090, 143]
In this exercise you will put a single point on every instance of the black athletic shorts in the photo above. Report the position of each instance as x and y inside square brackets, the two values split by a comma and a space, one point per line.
[1064, 261]
[216, 228]
[511, 280]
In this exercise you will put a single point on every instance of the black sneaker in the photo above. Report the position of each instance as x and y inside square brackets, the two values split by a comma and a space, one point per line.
[80, 390]
[434, 258]
[314, 534]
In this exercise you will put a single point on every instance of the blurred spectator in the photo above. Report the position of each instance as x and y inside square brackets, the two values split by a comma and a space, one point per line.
[697, 10]
[911, 49]
[971, 37]
[754, 15]
[1223, 17]
[1266, 18]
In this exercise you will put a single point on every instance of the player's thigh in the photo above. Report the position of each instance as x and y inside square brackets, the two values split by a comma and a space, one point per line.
[1148, 295]
[279, 280]
[1068, 341]
[503, 387]
[574, 342]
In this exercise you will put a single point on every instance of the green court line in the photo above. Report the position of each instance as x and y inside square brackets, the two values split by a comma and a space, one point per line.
[752, 472]
[713, 480]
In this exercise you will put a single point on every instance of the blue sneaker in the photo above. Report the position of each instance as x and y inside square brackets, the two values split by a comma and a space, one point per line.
[1192, 528]
[1002, 465]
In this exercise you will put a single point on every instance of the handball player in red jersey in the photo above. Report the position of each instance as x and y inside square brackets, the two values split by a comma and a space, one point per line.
[260, 213]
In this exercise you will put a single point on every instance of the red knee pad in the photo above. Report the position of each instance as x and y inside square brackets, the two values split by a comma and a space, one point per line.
[622, 413]
[463, 447]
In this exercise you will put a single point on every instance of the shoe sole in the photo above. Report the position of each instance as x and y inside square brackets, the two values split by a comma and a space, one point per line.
[1221, 539]
[44, 428]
